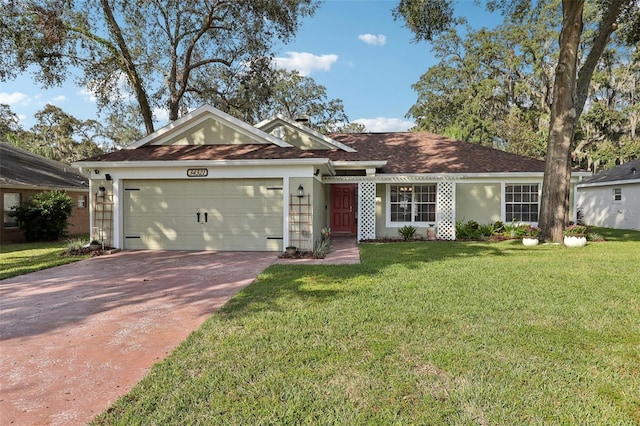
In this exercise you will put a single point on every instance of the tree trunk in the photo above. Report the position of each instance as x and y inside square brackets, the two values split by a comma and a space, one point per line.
[129, 68]
[554, 208]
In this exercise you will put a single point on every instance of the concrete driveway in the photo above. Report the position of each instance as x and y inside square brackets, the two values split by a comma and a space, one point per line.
[76, 337]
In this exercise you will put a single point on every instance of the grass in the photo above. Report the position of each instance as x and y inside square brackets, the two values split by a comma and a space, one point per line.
[19, 259]
[419, 333]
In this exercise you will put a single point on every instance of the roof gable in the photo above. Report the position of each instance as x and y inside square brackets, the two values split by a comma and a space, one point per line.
[24, 168]
[298, 135]
[208, 126]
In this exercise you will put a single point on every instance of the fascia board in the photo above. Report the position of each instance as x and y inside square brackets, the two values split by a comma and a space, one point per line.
[196, 163]
[359, 164]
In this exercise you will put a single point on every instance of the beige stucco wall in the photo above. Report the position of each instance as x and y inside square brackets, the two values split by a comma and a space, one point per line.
[209, 132]
[478, 201]
[301, 140]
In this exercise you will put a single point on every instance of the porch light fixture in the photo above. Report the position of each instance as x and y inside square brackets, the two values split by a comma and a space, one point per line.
[300, 191]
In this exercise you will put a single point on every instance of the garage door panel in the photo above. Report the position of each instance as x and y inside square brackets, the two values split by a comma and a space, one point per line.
[243, 214]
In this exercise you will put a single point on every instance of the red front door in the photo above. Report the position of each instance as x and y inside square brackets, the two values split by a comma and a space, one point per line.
[343, 209]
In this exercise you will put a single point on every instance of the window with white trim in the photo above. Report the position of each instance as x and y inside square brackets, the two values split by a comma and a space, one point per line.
[521, 202]
[412, 203]
[10, 200]
[617, 194]
[82, 201]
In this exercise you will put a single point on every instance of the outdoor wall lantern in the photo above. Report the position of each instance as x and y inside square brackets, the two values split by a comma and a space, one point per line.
[300, 191]
[101, 190]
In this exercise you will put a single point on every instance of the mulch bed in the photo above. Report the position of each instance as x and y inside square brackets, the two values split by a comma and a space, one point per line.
[87, 250]
[297, 255]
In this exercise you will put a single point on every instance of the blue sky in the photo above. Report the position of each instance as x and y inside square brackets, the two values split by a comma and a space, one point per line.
[352, 47]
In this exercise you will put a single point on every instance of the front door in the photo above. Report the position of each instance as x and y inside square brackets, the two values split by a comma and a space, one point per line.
[343, 208]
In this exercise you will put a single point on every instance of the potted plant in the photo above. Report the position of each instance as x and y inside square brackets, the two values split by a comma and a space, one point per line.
[95, 245]
[326, 233]
[575, 235]
[530, 235]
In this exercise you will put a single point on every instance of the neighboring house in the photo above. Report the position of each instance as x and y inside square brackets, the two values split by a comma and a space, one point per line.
[208, 181]
[612, 198]
[23, 174]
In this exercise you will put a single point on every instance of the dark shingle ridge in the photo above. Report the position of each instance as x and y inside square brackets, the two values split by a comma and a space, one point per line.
[627, 171]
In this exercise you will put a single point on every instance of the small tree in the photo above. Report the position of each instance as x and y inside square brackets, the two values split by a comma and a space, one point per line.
[44, 216]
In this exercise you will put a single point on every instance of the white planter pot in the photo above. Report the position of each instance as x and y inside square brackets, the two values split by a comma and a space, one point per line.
[530, 241]
[571, 241]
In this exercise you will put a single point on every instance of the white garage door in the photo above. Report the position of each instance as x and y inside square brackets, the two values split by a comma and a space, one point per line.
[226, 214]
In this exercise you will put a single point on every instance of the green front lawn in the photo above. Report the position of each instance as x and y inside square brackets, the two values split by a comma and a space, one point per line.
[18, 259]
[419, 333]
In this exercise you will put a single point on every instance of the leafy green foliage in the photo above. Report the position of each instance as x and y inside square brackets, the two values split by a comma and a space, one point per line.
[322, 247]
[407, 232]
[173, 55]
[44, 216]
[472, 230]
[295, 96]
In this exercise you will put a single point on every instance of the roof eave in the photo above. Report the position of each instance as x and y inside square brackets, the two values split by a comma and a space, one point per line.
[209, 163]
[609, 183]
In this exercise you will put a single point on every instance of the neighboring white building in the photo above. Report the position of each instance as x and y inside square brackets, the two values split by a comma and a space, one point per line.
[612, 198]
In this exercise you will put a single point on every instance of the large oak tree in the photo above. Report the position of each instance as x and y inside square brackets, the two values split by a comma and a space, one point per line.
[165, 54]
[579, 54]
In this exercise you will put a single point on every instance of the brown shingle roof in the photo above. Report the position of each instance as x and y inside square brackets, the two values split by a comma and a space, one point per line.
[408, 152]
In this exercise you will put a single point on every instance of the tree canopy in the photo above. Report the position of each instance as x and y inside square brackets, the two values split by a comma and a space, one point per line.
[159, 54]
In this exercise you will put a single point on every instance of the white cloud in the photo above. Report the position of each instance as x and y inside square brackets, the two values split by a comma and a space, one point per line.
[383, 124]
[88, 95]
[373, 40]
[14, 98]
[305, 62]
[160, 114]
[59, 99]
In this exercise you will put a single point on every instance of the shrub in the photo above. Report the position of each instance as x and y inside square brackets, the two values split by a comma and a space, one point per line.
[75, 244]
[321, 248]
[468, 230]
[407, 232]
[44, 216]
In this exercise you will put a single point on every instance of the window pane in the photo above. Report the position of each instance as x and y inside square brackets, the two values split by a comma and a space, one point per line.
[10, 199]
[521, 203]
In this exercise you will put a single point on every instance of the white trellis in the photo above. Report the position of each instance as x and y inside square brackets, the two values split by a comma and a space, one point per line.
[446, 211]
[366, 210]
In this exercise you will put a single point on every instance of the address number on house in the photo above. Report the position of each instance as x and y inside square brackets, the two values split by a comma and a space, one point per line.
[197, 172]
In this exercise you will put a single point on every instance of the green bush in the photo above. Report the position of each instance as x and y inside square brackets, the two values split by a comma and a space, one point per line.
[44, 216]
[322, 247]
[407, 232]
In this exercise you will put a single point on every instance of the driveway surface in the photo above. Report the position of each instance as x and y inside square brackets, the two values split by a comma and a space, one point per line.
[76, 337]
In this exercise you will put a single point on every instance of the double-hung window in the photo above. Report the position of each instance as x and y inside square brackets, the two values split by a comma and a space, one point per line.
[617, 195]
[412, 203]
[521, 202]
